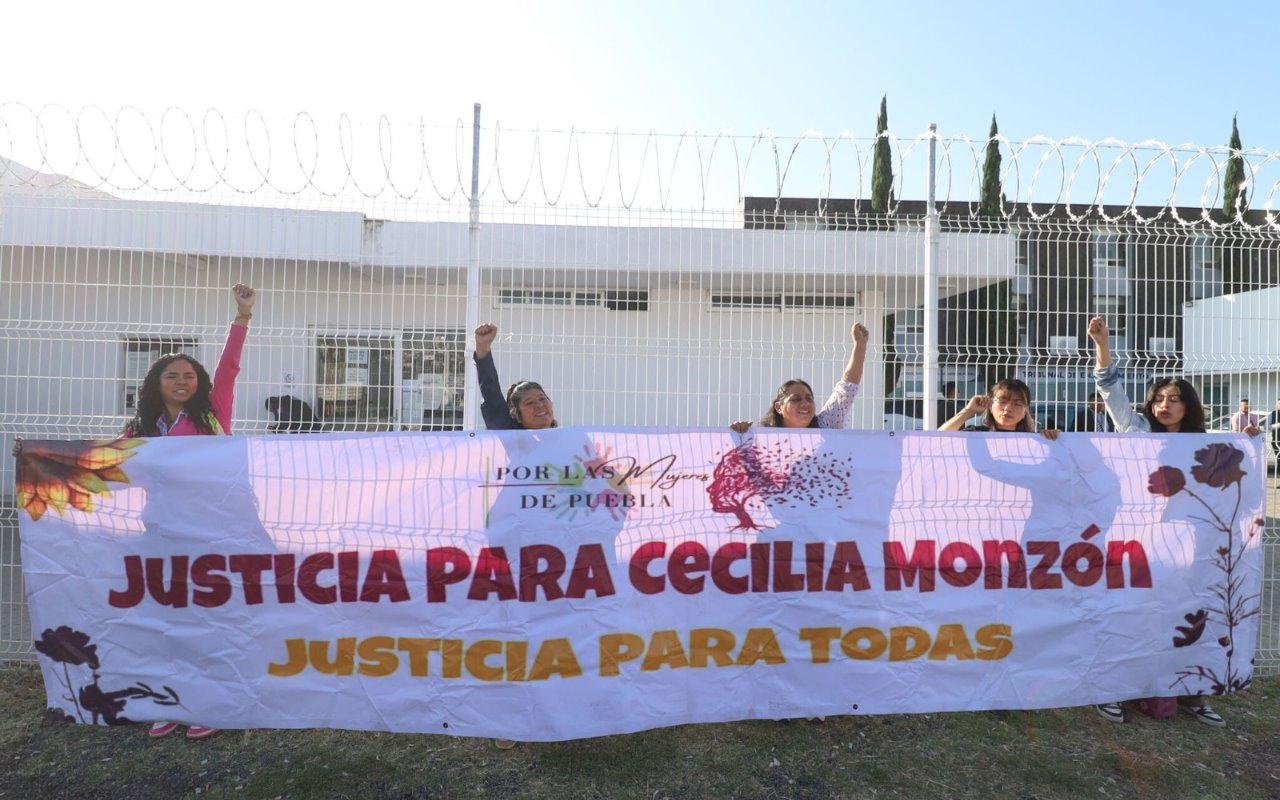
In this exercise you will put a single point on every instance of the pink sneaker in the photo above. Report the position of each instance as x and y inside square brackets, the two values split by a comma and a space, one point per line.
[161, 728]
[200, 732]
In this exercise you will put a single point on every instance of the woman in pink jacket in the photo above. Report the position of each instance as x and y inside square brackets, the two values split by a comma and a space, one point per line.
[177, 398]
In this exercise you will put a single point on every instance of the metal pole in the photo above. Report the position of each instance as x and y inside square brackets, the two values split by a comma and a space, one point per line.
[471, 404]
[929, 391]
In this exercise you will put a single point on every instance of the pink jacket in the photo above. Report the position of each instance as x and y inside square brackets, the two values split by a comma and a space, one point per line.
[222, 395]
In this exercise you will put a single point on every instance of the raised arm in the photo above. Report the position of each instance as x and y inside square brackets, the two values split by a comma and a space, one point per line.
[493, 405]
[1101, 342]
[222, 395]
[835, 411]
[857, 358]
[978, 404]
[1107, 379]
[245, 297]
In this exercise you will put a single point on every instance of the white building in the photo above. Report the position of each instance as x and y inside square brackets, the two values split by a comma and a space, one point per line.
[367, 320]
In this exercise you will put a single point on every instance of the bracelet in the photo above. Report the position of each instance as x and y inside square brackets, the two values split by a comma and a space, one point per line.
[244, 316]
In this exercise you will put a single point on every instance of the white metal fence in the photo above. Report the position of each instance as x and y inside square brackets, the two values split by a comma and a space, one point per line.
[644, 280]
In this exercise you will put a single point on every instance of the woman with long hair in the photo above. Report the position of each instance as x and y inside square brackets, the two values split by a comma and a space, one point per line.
[1172, 406]
[1005, 408]
[178, 398]
[793, 404]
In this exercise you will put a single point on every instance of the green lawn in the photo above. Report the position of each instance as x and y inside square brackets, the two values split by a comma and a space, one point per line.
[1067, 753]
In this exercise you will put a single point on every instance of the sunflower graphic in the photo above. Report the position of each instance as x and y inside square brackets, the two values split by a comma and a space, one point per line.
[60, 474]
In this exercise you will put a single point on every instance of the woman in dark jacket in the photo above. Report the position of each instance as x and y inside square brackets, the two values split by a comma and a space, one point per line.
[525, 405]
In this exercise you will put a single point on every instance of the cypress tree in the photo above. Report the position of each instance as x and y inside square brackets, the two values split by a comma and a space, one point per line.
[992, 199]
[996, 327]
[1232, 182]
[882, 164]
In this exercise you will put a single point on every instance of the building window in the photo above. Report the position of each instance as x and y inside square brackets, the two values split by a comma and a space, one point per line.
[908, 336]
[1115, 311]
[910, 382]
[395, 380]
[1018, 305]
[433, 364]
[754, 302]
[788, 302]
[1205, 272]
[626, 300]
[140, 352]
[560, 298]
[1110, 263]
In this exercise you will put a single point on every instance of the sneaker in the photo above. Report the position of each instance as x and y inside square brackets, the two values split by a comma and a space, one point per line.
[1111, 712]
[161, 728]
[200, 732]
[503, 744]
[1205, 715]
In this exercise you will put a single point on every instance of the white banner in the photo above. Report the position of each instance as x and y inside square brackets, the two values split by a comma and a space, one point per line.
[571, 583]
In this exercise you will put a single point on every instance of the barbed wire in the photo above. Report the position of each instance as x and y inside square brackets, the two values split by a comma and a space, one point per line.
[129, 153]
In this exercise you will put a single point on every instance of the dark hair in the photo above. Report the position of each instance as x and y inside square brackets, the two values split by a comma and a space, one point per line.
[291, 414]
[1192, 420]
[772, 419]
[518, 390]
[150, 404]
[1010, 386]
[948, 388]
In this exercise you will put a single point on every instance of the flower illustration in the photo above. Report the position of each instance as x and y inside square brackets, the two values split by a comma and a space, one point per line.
[67, 646]
[576, 497]
[1218, 465]
[1190, 633]
[1166, 481]
[60, 474]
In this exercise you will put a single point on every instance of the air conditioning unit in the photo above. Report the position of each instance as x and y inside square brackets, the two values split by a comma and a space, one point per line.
[1163, 345]
[1063, 345]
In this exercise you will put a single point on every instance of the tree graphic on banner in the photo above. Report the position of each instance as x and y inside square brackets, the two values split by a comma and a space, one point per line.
[754, 477]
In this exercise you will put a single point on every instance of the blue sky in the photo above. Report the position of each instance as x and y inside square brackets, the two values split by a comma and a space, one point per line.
[1170, 71]
[1174, 71]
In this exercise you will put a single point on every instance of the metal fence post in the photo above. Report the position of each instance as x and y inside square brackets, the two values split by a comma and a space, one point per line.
[929, 390]
[471, 404]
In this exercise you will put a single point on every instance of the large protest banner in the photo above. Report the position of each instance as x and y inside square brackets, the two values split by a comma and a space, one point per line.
[573, 582]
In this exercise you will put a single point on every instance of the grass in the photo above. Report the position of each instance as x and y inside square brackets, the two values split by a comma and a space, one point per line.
[1064, 753]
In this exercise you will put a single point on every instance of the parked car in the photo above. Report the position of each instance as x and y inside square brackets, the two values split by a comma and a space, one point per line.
[1061, 415]
[1223, 425]
[904, 414]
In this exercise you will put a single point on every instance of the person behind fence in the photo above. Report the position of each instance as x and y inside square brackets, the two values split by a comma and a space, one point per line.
[290, 415]
[1273, 423]
[525, 405]
[793, 405]
[1244, 419]
[178, 398]
[1004, 409]
[1093, 417]
[1172, 406]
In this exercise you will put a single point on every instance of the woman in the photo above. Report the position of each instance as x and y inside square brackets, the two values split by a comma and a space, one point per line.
[1172, 406]
[793, 405]
[525, 406]
[1004, 408]
[177, 398]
